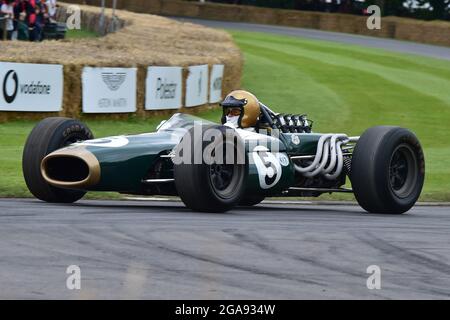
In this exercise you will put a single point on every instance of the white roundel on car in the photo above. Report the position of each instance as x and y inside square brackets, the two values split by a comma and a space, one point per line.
[110, 142]
[284, 160]
[268, 166]
[295, 139]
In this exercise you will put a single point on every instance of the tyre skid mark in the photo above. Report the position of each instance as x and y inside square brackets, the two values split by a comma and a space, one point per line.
[258, 242]
[414, 258]
[261, 243]
[221, 262]
[134, 242]
[41, 249]
[402, 253]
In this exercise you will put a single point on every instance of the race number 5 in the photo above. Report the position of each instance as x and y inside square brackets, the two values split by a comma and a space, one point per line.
[268, 166]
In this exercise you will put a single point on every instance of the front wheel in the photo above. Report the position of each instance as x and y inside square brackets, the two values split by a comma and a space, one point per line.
[213, 187]
[388, 170]
[47, 136]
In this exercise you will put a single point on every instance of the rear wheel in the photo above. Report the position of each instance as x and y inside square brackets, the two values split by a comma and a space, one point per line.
[388, 170]
[47, 136]
[213, 187]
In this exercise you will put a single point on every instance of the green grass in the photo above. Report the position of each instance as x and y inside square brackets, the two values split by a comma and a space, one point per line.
[343, 88]
[78, 34]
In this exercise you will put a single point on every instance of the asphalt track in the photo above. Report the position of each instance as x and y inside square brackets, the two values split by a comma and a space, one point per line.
[161, 250]
[371, 42]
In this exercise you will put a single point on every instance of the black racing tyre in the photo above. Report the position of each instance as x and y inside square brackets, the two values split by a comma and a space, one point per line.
[388, 170]
[209, 187]
[47, 136]
[251, 200]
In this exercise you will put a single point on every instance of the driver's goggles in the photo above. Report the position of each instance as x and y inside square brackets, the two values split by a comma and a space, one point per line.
[233, 112]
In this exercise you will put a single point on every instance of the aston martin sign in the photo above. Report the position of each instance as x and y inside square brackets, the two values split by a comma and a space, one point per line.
[109, 90]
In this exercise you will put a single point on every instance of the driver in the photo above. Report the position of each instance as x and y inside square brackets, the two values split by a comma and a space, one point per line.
[241, 109]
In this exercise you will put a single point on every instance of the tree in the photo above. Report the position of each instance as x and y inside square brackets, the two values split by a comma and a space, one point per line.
[389, 8]
[441, 8]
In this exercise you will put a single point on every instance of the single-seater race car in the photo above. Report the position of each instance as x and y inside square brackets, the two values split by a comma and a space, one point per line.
[255, 153]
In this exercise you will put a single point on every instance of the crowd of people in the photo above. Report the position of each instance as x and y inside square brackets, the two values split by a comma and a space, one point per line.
[26, 19]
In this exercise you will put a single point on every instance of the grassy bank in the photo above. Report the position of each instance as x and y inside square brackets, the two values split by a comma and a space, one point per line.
[343, 88]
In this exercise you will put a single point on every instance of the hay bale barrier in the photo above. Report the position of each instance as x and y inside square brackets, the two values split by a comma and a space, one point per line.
[142, 40]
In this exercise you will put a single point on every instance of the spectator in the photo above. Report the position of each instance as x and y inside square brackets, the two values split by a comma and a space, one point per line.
[22, 27]
[51, 9]
[39, 21]
[29, 6]
[7, 10]
[17, 11]
[26, 6]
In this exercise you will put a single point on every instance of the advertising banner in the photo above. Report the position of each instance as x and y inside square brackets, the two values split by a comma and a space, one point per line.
[163, 88]
[31, 87]
[215, 84]
[109, 90]
[197, 86]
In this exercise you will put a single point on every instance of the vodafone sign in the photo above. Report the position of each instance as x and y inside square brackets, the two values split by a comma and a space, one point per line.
[31, 87]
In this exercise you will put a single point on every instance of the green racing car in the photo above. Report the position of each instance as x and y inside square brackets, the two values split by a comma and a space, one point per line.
[253, 154]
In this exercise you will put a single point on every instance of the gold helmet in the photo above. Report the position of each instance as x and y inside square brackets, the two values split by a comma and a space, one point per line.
[245, 105]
